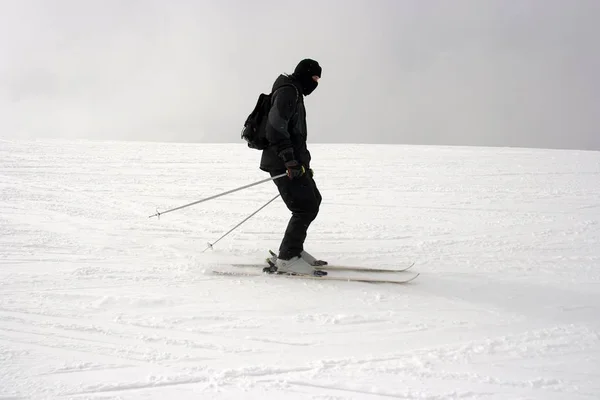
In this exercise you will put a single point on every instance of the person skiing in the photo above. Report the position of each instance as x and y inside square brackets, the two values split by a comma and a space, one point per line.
[286, 132]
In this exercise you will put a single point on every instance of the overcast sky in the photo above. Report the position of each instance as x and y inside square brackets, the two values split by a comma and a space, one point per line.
[458, 72]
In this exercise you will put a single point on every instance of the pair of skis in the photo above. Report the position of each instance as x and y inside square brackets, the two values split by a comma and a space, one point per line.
[334, 272]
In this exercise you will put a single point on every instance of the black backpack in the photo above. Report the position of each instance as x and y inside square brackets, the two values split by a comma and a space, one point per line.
[254, 131]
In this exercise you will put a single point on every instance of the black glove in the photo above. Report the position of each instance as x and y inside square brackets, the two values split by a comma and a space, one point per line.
[294, 170]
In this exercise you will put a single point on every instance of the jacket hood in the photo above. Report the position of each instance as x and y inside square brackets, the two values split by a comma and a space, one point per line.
[283, 80]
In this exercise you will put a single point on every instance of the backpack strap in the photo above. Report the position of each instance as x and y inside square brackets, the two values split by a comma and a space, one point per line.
[282, 86]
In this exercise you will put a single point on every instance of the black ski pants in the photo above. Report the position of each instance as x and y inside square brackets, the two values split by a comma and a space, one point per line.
[303, 199]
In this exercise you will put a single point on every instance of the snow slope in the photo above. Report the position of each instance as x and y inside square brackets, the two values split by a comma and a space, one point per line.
[98, 301]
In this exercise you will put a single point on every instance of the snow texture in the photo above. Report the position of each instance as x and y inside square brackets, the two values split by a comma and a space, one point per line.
[99, 301]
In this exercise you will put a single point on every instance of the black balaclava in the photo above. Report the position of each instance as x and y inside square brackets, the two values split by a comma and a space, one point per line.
[304, 72]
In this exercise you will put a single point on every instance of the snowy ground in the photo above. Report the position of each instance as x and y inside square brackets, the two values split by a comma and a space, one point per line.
[98, 301]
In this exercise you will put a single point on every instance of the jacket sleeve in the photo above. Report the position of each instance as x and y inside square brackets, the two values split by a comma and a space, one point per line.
[282, 110]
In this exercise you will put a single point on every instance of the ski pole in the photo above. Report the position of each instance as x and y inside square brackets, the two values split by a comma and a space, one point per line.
[158, 214]
[210, 245]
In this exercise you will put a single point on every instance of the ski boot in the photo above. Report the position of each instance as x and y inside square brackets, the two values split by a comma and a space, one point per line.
[305, 256]
[293, 266]
[311, 260]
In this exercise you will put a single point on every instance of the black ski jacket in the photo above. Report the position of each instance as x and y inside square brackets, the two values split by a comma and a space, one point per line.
[286, 127]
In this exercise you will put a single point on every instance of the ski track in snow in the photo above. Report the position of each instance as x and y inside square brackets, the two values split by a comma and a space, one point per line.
[98, 301]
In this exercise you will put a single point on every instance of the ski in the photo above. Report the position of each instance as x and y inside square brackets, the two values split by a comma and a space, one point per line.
[335, 268]
[324, 266]
[361, 269]
[322, 278]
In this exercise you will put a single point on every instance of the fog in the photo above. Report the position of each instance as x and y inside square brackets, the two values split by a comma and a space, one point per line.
[462, 72]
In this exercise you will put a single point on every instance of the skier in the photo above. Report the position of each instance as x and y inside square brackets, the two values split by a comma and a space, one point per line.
[286, 132]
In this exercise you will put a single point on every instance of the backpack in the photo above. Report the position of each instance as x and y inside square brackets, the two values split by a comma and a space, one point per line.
[255, 127]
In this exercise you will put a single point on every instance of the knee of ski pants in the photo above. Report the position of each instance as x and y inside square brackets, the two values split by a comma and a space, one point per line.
[312, 214]
[319, 198]
[308, 208]
[312, 200]
[313, 210]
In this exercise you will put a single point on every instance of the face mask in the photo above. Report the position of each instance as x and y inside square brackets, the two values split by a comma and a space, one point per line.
[308, 85]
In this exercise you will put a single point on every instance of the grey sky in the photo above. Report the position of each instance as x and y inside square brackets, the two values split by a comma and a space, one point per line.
[463, 72]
